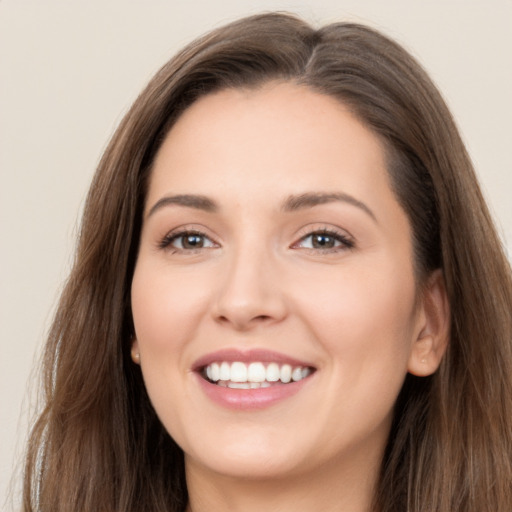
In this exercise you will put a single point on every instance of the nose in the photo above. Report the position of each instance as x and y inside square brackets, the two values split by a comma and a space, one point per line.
[250, 292]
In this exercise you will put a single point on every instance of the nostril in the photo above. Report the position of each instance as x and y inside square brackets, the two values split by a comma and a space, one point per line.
[244, 322]
[262, 318]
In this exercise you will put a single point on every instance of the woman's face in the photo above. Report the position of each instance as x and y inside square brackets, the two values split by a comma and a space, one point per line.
[273, 248]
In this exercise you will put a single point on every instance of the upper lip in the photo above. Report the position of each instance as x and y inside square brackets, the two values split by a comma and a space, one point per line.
[247, 356]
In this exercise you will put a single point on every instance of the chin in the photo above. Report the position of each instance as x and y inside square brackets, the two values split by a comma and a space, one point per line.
[258, 457]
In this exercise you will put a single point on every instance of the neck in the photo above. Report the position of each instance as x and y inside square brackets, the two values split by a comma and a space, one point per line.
[326, 488]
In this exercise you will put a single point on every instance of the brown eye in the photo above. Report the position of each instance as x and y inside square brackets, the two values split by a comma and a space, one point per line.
[192, 241]
[187, 241]
[322, 241]
[325, 241]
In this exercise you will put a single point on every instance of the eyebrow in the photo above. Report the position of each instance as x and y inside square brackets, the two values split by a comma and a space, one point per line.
[188, 200]
[310, 199]
[291, 204]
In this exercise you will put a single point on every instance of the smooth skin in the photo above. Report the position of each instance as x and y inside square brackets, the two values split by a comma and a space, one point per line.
[252, 264]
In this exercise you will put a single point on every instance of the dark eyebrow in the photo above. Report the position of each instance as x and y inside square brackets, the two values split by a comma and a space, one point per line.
[310, 199]
[187, 200]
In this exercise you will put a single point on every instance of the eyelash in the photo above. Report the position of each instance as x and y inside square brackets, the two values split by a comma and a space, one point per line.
[345, 243]
[170, 238]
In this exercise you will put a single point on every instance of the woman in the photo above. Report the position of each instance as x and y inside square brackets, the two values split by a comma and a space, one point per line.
[288, 292]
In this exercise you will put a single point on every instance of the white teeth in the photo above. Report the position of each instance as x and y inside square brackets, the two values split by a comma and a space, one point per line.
[225, 371]
[214, 372]
[238, 372]
[255, 375]
[238, 385]
[273, 372]
[297, 374]
[286, 373]
[256, 372]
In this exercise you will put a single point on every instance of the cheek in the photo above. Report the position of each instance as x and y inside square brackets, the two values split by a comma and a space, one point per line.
[167, 309]
[166, 306]
[364, 315]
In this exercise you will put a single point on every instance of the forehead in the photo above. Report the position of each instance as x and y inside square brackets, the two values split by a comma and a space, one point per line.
[281, 138]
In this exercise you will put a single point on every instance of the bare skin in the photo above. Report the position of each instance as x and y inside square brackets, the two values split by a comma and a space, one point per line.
[270, 227]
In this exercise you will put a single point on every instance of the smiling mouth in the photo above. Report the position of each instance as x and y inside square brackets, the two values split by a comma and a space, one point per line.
[255, 375]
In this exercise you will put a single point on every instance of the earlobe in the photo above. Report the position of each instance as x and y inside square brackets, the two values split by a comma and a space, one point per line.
[135, 351]
[434, 329]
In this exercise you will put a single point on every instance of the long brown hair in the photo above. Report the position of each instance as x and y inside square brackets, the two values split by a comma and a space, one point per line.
[98, 444]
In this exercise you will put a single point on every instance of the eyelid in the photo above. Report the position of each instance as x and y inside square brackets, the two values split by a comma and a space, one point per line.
[165, 242]
[346, 240]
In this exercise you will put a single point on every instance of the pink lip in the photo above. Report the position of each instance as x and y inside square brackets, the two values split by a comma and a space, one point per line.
[249, 399]
[248, 356]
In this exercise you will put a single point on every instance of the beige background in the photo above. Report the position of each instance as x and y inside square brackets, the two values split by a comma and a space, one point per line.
[68, 71]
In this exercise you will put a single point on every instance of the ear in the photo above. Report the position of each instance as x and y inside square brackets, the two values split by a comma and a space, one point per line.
[433, 329]
[135, 351]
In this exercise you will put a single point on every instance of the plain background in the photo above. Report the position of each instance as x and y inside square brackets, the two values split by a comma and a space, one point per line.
[68, 72]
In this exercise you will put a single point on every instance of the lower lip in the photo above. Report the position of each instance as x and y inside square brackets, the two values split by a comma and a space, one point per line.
[248, 399]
